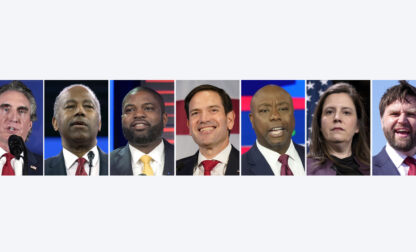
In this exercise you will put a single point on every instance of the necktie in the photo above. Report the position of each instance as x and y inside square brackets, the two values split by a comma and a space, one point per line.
[7, 168]
[80, 169]
[147, 169]
[208, 166]
[411, 162]
[284, 169]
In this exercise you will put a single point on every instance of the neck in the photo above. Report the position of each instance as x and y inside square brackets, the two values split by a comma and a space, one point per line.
[147, 148]
[5, 147]
[210, 152]
[78, 149]
[340, 150]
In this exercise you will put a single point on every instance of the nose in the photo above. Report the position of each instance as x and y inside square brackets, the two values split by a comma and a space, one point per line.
[204, 116]
[402, 118]
[337, 116]
[139, 113]
[13, 115]
[275, 115]
[80, 110]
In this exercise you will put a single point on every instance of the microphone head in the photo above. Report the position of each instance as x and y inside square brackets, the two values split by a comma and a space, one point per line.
[16, 145]
[91, 155]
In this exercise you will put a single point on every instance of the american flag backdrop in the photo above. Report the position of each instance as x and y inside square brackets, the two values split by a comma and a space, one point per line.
[314, 90]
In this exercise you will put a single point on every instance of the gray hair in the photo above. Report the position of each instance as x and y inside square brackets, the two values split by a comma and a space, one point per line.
[20, 87]
[59, 98]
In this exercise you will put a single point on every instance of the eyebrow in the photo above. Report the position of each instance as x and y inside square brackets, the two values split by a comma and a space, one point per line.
[278, 104]
[4, 105]
[332, 107]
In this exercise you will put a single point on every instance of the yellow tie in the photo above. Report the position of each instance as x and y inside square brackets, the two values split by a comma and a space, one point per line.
[147, 169]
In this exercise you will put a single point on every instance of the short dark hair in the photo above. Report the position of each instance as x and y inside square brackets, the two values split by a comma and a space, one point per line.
[397, 92]
[155, 94]
[225, 98]
[22, 88]
[360, 146]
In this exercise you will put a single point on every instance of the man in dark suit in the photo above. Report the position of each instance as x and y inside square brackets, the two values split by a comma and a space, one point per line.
[398, 120]
[77, 117]
[274, 153]
[210, 119]
[17, 114]
[143, 121]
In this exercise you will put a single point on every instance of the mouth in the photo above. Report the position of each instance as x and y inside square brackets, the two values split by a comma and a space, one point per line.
[337, 129]
[207, 129]
[140, 125]
[12, 130]
[78, 124]
[277, 131]
[402, 132]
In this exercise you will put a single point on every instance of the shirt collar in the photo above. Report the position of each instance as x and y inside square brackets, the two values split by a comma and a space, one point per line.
[272, 156]
[157, 154]
[396, 157]
[222, 156]
[70, 158]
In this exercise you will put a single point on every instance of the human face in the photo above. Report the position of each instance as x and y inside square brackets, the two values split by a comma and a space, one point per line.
[208, 123]
[14, 116]
[142, 119]
[339, 121]
[272, 118]
[77, 118]
[399, 125]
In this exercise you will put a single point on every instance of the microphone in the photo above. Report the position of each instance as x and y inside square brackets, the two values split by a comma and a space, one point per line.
[16, 147]
[90, 158]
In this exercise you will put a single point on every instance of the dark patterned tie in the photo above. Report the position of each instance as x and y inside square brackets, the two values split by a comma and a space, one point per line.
[80, 169]
[284, 169]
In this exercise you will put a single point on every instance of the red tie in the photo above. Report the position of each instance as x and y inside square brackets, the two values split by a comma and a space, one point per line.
[209, 165]
[80, 169]
[7, 168]
[284, 169]
[411, 162]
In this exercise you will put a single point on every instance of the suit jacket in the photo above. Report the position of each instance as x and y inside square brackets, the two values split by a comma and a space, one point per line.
[185, 166]
[120, 160]
[56, 165]
[382, 164]
[35, 162]
[315, 168]
[254, 163]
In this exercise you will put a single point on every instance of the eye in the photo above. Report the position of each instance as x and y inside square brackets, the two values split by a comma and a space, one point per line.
[263, 110]
[129, 110]
[194, 113]
[328, 112]
[149, 108]
[22, 111]
[347, 113]
[69, 106]
[284, 109]
[89, 106]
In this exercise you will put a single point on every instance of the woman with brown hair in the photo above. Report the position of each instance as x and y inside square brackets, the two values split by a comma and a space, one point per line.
[340, 139]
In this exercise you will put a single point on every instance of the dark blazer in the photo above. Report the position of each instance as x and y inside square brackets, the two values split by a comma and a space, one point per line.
[120, 160]
[56, 165]
[185, 166]
[382, 164]
[254, 163]
[315, 168]
[35, 162]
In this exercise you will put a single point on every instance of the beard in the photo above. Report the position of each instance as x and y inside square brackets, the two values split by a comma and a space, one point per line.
[141, 138]
[403, 145]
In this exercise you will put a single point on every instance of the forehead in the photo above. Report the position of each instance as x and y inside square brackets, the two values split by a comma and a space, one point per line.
[77, 93]
[205, 98]
[142, 97]
[13, 97]
[398, 105]
[271, 94]
[339, 100]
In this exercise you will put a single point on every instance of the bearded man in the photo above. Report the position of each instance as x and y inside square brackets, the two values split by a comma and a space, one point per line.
[143, 120]
[398, 120]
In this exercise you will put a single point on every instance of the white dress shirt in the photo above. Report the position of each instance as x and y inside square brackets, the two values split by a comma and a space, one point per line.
[398, 160]
[157, 163]
[71, 162]
[219, 169]
[17, 165]
[294, 161]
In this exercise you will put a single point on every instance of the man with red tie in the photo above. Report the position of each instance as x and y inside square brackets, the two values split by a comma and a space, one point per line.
[210, 118]
[77, 117]
[398, 120]
[17, 114]
[274, 153]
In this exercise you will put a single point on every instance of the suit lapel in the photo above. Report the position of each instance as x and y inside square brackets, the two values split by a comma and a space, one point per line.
[168, 167]
[103, 162]
[258, 163]
[233, 162]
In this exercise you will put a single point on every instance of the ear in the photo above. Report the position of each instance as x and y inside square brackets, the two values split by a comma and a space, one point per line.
[187, 125]
[251, 119]
[165, 119]
[357, 129]
[230, 119]
[55, 124]
[99, 125]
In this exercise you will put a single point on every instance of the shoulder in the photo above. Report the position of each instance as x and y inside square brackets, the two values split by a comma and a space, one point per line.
[316, 167]
[185, 166]
[380, 158]
[168, 145]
